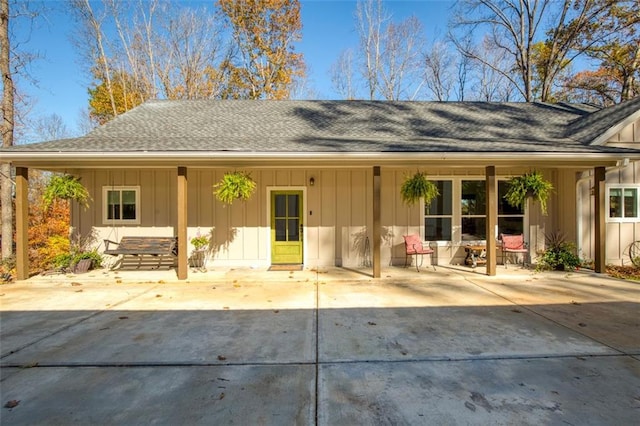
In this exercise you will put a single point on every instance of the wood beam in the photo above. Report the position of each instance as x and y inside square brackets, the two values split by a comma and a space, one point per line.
[492, 218]
[377, 223]
[22, 223]
[600, 255]
[183, 265]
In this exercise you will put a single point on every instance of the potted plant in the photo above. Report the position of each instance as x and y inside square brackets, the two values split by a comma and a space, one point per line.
[198, 256]
[529, 185]
[559, 254]
[418, 186]
[234, 186]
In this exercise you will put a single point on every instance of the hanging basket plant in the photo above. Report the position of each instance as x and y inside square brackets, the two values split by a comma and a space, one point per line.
[65, 187]
[234, 186]
[418, 186]
[530, 185]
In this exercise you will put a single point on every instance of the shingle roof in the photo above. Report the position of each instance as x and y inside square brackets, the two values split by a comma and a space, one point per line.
[344, 126]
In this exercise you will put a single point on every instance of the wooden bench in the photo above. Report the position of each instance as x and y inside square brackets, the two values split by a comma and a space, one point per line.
[159, 248]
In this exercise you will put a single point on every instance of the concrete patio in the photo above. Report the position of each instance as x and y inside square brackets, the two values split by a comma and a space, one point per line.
[329, 346]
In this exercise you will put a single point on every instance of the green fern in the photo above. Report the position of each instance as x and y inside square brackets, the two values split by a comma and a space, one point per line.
[65, 187]
[234, 186]
[531, 184]
[416, 187]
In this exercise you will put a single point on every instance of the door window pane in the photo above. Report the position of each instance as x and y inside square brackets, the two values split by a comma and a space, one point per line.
[281, 230]
[442, 204]
[510, 225]
[281, 205]
[113, 205]
[293, 205]
[294, 234]
[128, 204]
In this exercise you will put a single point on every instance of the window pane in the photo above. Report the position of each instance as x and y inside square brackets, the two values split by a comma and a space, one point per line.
[510, 225]
[293, 206]
[615, 202]
[473, 228]
[281, 205]
[293, 230]
[281, 230]
[129, 205]
[503, 206]
[113, 205]
[630, 202]
[437, 229]
[442, 204]
[473, 197]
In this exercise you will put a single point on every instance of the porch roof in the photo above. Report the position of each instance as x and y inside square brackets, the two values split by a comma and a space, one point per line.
[164, 132]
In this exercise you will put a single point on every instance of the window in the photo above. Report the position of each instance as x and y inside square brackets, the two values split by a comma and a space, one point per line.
[473, 210]
[438, 214]
[121, 205]
[623, 203]
[510, 219]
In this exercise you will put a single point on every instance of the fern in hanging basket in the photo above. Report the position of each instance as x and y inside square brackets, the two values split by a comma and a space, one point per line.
[416, 187]
[529, 185]
[234, 186]
[65, 187]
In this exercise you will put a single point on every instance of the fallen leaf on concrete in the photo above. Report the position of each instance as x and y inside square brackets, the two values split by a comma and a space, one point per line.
[123, 317]
[75, 284]
[276, 311]
[372, 323]
[470, 406]
[221, 395]
[160, 281]
[581, 324]
[158, 295]
[118, 281]
[226, 308]
[78, 291]
[573, 302]
[11, 404]
[517, 311]
[236, 285]
[32, 365]
[221, 358]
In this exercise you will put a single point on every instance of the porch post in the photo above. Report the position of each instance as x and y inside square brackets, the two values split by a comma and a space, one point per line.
[183, 266]
[600, 254]
[377, 232]
[492, 218]
[22, 221]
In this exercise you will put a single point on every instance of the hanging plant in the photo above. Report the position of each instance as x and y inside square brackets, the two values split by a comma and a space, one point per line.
[529, 185]
[65, 187]
[416, 187]
[234, 186]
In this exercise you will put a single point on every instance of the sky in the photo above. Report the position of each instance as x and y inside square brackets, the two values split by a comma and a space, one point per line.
[328, 29]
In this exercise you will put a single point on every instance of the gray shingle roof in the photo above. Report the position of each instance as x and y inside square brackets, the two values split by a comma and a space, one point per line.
[344, 126]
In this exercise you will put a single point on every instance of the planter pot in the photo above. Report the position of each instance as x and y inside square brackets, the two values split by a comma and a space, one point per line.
[198, 258]
[82, 266]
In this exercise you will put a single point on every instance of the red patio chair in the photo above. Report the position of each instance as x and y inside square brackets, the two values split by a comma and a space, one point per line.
[514, 244]
[413, 247]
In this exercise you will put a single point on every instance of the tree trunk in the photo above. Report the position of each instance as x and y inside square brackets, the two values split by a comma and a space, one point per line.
[7, 131]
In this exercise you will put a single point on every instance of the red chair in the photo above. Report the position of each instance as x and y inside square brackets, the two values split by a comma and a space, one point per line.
[514, 244]
[413, 247]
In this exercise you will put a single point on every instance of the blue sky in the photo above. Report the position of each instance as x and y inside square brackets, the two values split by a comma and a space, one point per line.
[328, 28]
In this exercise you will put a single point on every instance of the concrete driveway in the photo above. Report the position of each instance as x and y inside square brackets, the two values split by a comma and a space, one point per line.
[321, 347]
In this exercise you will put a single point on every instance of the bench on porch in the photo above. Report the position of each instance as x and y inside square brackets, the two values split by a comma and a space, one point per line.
[159, 248]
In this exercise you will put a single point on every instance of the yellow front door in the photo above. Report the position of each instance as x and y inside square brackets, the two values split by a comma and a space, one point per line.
[286, 227]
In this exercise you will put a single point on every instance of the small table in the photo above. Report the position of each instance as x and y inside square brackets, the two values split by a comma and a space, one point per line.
[476, 255]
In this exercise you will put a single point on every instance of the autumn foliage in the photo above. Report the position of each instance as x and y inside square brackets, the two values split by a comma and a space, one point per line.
[48, 234]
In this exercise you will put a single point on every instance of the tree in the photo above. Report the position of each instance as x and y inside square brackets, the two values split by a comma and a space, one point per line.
[440, 71]
[342, 75]
[264, 64]
[7, 130]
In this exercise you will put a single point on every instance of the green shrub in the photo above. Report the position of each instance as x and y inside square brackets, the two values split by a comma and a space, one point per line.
[559, 254]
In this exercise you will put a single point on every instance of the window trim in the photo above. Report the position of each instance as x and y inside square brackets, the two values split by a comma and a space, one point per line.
[105, 205]
[622, 186]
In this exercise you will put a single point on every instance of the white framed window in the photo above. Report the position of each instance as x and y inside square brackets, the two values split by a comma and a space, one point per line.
[121, 205]
[622, 203]
[438, 216]
[449, 220]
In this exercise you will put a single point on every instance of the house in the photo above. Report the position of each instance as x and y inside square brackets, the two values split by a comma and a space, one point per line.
[329, 174]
